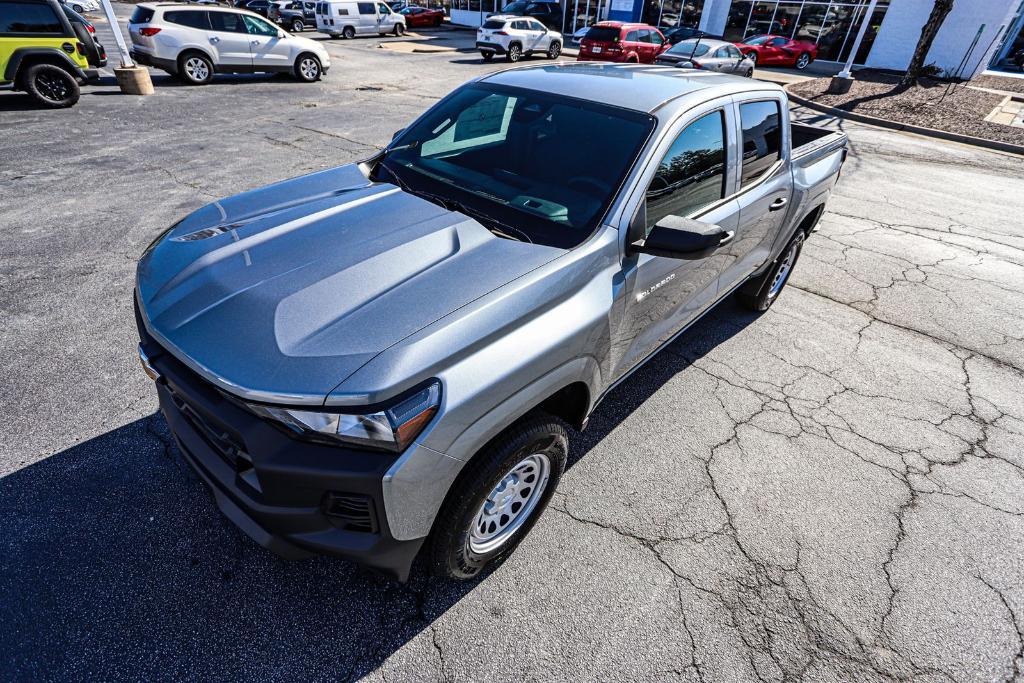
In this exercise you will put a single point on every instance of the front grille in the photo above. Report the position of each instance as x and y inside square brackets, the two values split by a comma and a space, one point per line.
[355, 512]
[229, 447]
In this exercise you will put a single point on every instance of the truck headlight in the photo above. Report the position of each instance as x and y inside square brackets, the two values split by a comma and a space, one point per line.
[391, 429]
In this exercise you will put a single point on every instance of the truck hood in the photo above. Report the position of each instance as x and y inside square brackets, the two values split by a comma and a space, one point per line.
[281, 293]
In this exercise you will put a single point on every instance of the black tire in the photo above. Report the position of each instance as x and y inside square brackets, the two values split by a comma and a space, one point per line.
[51, 86]
[554, 49]
[78, 8]
[761, 292]
[515, 52]
[750, 73]
[348, 33]
[298, 26]
[488, 56]
[450, 552]
[195, 68]
[399, 29]
[803, 58]
[308, 68]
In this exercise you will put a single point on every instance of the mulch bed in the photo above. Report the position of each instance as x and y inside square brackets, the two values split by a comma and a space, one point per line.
[1015, 85]
[932, 104]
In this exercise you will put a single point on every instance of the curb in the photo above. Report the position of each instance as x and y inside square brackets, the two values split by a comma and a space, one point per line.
[907, 127]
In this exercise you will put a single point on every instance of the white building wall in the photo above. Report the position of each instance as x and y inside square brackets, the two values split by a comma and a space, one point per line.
[901, 29]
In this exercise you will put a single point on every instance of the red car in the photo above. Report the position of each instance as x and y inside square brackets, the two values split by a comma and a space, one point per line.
[614, 41]
[769, 50]
[418, 17]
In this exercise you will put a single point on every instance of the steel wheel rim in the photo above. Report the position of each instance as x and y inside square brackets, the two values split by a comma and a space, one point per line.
[309, 68]
[196, 69]
[510, 504]
[52, 87]
[782, 273]
[802, 61]
[555, 50]
[514, 53]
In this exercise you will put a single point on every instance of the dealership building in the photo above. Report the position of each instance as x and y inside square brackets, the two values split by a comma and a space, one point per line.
[977, 35]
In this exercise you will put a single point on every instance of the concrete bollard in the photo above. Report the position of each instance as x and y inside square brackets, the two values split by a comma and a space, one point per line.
[134, 80]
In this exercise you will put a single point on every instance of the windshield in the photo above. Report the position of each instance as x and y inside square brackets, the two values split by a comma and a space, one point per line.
[756, 40]
[687, 46]
[528, 165]
[514, 8]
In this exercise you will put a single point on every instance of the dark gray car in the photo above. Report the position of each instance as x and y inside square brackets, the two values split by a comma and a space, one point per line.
[709, 55]
[363, 358]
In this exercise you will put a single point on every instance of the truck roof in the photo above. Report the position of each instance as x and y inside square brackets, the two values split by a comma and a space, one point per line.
[630, 86]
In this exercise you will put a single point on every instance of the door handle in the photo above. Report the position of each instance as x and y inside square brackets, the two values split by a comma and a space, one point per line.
[778, 204]
[254, 42]
[729, 234]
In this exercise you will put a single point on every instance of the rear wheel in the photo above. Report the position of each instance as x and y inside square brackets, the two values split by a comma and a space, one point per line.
[195, 68]
[515, 52]
[803, 61]
[554, 49]
[498, 497]
[307, 68]
[348, 33]
[51, 86]
[488, 56]
[760, 293]
[78, 8]
[298, 26]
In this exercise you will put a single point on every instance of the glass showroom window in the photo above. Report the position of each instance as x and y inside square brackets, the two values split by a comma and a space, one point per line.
[672, 13]
[831, 25]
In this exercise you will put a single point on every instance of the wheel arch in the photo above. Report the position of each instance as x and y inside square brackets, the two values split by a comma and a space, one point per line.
[195, 48]
[27, 56]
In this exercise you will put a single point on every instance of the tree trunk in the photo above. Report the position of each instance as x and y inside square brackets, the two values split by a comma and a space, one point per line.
[940, 9]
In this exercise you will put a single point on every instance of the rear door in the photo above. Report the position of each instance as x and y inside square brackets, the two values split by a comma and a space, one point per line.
[229, 38]
[693, 176]
[269, 52]
[631, 43]
[765, 185]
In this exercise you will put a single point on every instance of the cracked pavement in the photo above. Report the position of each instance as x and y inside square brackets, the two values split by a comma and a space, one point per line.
[832, 491]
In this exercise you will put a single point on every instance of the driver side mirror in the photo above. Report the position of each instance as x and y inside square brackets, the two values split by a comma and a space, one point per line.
[683, 238]
[395, 135]
[280, 33]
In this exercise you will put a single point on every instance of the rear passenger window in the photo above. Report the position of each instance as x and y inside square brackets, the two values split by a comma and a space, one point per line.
[227, 21]
[342, 12]
[365, 8]
[692, 174]
[633, 37]
[25, 17]
[190, 18]
[762, 138]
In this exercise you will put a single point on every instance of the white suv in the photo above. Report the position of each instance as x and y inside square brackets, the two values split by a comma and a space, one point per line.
[515, 37]
[195, 42]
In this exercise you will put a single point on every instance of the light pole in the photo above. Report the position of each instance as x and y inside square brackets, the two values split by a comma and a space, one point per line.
[131, 78]
[842, 83]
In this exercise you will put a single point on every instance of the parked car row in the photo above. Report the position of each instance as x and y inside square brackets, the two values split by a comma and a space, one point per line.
[616, 41]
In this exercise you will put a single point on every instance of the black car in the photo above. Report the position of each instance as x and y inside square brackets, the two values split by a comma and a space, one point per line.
[295, 16]
[544, 11]
[1018, 59]
[677, 35]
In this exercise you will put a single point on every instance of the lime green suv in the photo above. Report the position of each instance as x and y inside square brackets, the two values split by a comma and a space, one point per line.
[44, 53]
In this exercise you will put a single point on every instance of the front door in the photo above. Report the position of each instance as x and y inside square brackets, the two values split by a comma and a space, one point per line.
[764, 191]
[230, 38]
[269, 52]
[663, 294]
[385, 21]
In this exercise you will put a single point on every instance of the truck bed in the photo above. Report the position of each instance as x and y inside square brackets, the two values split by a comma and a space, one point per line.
[811, 143]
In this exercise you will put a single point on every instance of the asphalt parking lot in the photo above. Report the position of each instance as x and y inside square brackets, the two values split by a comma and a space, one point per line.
[832, 491]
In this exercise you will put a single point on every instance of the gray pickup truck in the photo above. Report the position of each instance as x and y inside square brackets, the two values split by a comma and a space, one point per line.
[371, 357]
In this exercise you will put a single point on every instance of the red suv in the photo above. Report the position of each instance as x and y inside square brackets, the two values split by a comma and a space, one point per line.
[614, 41]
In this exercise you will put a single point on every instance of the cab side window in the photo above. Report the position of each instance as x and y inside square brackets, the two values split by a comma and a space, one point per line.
[259, 27]
[762, 138]
[29, 17]
[692, 174]
[383, 9]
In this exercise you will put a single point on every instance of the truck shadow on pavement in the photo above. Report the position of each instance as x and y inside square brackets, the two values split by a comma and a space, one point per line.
[116, 563]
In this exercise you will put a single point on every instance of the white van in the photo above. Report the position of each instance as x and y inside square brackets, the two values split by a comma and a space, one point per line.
[349, 19]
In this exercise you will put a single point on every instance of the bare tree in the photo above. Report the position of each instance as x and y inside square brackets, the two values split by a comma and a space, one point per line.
[940, 10]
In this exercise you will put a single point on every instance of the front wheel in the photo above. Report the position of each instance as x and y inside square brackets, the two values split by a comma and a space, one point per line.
[498, 497]
[554, 49]
[515, 53]
[298, 26]
[51, 86]
[750, 73]
[307, 68]
[752, 56]
[760, 293]
[803, 61]
[399, 29]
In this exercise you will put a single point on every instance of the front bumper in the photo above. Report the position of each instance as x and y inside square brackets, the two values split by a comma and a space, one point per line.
[294, 497]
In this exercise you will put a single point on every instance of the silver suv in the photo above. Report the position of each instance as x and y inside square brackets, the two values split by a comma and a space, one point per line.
[368, 357]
